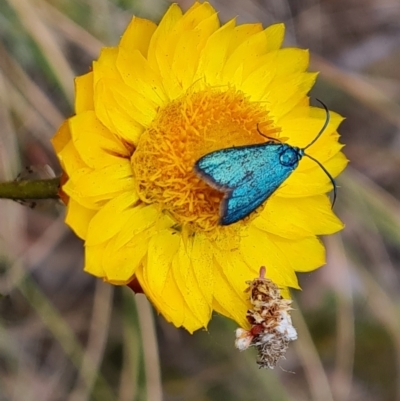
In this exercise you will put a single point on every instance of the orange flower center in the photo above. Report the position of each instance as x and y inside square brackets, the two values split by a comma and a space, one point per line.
[183, 131]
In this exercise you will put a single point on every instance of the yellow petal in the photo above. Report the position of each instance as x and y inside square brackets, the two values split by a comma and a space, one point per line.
[62, 137]
[70, 159]
[113, 215]
[247, 53]
[105, 66]
[94, 260]
[298, 218]
[144, 220]
[228, 313]
[286, 92]
[195, 299]
[187, 283]
[161, 35]
[202, 263]
[95, 144]
[112, 111]
[259, 249]
[120, 267]
[290, 61]
[235, 270]
[134, 105]
[84, 93]
[275, 34]
[242, 33]
[231, 305]
[303, 255]
[137, 35]
[162, 249]
[131, 243]
[313, 181]
[160, 53]
[131, 222]
[195, 15]
[171, 303]
[214, 55]
[188, 48]
[136, 72]
[92, 203]
[321, 153]
[102, 183]
[256, 83]
[262, 71]
[78, 218]
[236, 273]
[106, 107]
[175, 313]
[301, 130]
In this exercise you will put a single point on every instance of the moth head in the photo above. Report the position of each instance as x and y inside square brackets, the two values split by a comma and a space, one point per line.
[290, 155]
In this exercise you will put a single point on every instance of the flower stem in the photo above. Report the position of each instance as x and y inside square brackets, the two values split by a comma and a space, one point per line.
[26, 189]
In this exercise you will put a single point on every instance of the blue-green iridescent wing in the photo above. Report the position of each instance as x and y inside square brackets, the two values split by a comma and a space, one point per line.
[248, 175]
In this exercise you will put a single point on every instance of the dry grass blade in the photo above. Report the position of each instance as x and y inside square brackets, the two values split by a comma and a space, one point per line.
[30, 17]
[70, 30]
[32, 93]
[95, 347]
[9, 347]
[9, 149]
[29, 120]
[150, 349]
[354, 85]
[342, 377]
[130, 370]
[33, 255]
[314, 370]
[385, 311]
[62, 332]
[385, 207]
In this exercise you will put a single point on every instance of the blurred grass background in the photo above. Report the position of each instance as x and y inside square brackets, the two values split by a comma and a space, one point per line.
[67, 336]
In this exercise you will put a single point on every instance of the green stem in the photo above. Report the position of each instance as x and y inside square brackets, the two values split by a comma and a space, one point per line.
[24, 189]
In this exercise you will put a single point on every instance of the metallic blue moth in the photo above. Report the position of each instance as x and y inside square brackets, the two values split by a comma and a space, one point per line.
[250, 174]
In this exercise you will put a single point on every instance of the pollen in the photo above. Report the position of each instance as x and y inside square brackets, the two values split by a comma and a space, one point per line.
[185, 130]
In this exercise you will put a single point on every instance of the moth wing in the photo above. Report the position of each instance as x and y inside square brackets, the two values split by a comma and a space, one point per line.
[243, 200]
[248, 174]
[230, 168]
[264, 177]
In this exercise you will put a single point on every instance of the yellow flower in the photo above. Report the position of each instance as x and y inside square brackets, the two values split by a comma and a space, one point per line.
[148, 110]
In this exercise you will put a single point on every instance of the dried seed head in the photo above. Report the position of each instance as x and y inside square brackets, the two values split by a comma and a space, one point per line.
[271, 325]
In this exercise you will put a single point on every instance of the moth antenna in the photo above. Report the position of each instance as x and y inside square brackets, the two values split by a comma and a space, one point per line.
[328, 117]
[265, 136]
[329, 176]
